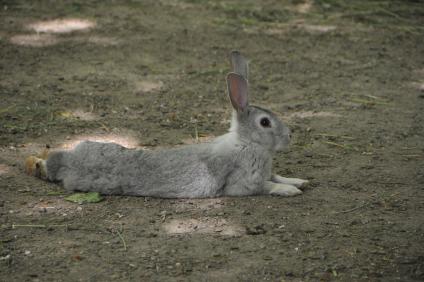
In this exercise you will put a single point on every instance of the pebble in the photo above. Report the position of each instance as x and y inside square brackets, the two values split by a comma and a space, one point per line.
[7, 257]
[308, 154]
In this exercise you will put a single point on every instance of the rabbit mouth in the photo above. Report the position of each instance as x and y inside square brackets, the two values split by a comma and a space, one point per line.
[282, 144]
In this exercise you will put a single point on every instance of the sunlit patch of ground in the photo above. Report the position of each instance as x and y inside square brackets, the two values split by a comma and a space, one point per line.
[61, 25]
[148, 86]
[284, 28]
[301, 7]
[204, 225]
[311, 114]
[304, 7]
[34, 40]
[199, 204]
[418, 85]
[46, 31]
[4, 169]
[121, 139]
[419, 72]
[179, 4]
[42, 207]
[19, 152]
[79, 114]
[318, 28]
[82, 115]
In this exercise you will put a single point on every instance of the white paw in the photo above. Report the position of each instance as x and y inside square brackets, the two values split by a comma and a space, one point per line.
[279, 189]
[289, 181]
[298, 182]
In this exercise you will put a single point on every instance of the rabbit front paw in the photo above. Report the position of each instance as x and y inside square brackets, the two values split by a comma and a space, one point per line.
[280, 189]
[297, 182]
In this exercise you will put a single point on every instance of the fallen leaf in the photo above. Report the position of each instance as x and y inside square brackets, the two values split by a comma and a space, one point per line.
[82, 198]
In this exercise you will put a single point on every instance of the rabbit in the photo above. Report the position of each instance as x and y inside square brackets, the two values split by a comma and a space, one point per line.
[237, 163]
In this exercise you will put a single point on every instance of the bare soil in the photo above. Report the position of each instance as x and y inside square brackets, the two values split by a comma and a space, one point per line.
[347, 76]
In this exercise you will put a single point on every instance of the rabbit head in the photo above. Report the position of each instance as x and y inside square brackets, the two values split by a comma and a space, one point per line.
[252, 123]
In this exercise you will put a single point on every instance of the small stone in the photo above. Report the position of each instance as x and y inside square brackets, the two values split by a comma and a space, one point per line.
[7, 257]
[263, 87]
[308, 154]
[27, 253]
[257, 230]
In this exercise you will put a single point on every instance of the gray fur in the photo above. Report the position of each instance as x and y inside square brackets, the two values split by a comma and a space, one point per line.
[239, 64]
[235, 164]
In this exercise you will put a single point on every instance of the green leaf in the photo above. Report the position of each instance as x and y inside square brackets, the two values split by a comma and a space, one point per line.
[82, 198]
[54, 193]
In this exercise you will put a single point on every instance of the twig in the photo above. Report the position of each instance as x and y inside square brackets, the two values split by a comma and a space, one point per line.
[29, 225]
[366, 102]
[122, 239]
[6, 109]
[335, 144]
[340, 145]
[38, 225]
[196, 133]
[374, 97]
[335, 136]
[390, 183]
[104, 127]
[411, 156]
[354, 209]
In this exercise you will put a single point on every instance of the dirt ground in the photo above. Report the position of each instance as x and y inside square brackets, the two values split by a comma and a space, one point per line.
[347, 76]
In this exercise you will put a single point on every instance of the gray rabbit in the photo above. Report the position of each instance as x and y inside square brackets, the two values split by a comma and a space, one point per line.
[237, 163]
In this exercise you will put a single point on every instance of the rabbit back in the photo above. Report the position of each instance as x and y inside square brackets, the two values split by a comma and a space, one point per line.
[188, 172]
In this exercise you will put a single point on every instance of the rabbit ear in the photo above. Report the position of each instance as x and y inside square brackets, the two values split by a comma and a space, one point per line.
[239, 64]
[237, 90]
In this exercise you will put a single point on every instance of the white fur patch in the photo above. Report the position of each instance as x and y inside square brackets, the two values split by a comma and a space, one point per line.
[226, 142]
[234, 122]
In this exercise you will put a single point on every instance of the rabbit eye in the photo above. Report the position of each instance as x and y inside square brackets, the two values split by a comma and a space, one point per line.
[265, 122]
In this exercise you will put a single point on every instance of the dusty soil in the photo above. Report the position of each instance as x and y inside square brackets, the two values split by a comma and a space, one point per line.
[347, 76]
